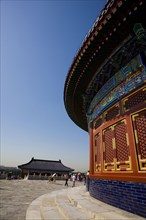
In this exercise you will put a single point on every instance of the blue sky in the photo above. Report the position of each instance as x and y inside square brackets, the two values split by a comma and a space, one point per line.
[39, 40]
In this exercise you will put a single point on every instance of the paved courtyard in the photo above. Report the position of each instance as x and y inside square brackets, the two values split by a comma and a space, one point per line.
[16, 195]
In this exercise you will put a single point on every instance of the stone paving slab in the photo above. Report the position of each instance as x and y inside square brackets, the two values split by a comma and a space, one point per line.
[16, 195]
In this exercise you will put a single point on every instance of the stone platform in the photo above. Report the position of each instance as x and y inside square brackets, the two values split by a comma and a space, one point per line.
[74, 203]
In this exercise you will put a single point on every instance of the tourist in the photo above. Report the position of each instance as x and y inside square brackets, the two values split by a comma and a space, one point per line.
[87, 180]
[84, 177]
[74, 180]
[54, 177]
[66, 180]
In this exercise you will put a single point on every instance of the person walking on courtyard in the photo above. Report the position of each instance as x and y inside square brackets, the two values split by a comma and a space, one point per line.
[73, 180]
[54, 177]
[84, 177]
[87, 180]
[66, 180]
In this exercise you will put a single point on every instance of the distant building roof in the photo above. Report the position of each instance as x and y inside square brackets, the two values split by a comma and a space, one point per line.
[37, 165]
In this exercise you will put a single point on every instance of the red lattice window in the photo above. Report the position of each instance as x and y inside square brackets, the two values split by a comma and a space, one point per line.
[141, 132]
[135, 99]
[116, 155]
[98, 149]
[112, 113]
[109, 154]
[139, 126]
[98, 123]
[97, 153]
[122, 149]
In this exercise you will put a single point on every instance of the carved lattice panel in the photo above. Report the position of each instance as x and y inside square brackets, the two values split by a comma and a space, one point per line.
[116, 154]
[108, 151]
[97, 153]
[134, 99]
[112, 113]
[139, 127]
[97, 123]
[122, 158]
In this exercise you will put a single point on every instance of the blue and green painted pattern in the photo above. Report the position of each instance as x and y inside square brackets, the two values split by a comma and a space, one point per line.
[124, 81]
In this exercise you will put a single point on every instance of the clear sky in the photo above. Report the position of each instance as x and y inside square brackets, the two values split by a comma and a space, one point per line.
[39, 40]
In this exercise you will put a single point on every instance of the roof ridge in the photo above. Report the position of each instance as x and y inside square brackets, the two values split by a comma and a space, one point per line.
[59, 161]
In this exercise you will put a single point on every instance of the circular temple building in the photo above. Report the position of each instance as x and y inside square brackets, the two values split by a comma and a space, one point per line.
[105, 94]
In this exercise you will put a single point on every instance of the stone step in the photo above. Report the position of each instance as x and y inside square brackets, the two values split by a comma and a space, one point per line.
[49, 209]
[69, 210]
[97, 209]
[74, 203]
[33, 211]
[44, 208]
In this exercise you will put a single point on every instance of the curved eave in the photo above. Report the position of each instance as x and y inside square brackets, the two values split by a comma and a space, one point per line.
[45, 165]
[98, 47]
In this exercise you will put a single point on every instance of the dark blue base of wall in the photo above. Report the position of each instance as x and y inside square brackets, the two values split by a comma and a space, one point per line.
[130, 196]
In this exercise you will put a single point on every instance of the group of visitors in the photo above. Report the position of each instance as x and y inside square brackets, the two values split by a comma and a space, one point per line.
[74, 177]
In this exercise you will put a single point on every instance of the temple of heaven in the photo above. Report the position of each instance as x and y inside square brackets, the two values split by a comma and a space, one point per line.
[105, 94]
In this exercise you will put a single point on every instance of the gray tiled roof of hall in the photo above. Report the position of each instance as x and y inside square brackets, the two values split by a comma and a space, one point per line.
[45, 165]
